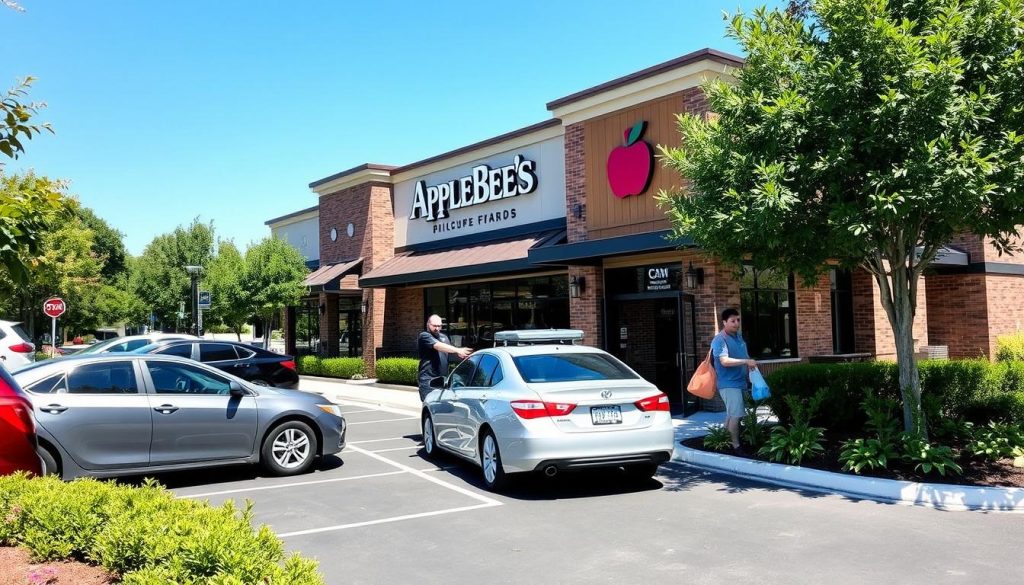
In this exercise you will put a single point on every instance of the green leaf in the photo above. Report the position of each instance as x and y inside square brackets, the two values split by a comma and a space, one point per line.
[635, 132]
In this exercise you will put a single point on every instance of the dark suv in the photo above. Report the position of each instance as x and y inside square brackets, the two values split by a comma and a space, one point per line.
[17, 429]
[253, 364]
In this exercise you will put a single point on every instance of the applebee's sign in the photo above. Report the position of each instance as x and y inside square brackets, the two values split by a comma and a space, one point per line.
[631, 166]
[483, 184]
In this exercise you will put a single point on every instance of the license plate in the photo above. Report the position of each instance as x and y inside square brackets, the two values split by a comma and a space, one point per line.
[606, 415]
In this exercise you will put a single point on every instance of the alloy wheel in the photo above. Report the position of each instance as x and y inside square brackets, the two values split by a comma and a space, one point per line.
[291, 448]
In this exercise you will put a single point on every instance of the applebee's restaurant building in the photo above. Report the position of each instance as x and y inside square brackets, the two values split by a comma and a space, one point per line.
[555, 225]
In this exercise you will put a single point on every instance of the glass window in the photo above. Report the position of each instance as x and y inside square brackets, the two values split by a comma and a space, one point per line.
[216, 352]
[841, 283]
[463, 374]
[307, 327]
[172, 378]
[244, 353]
[126, 346]
[484, 371]
[103, 378]
[52, 385]
[181, 350]
[768, 309]
[571, 367]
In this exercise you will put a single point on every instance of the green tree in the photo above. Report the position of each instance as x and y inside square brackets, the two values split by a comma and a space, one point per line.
[159, 278]
[274, 271]
[16, 119]
[866, 132]
[29, 204]
[231, 302]
[108, 243]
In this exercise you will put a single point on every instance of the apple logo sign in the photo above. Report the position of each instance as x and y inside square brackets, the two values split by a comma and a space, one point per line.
[630, 166]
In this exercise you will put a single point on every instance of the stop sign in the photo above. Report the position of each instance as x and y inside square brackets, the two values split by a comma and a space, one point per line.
[54, 307]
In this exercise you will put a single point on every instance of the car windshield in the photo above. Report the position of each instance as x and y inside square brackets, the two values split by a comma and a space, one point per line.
[101, 346]
[148, 348]
[571, 367]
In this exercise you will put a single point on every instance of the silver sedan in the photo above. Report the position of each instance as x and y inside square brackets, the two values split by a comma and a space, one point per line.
[126, 414]
[547, 407]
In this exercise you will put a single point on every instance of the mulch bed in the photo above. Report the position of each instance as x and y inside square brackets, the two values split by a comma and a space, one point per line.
[17, 569]
[977, 473]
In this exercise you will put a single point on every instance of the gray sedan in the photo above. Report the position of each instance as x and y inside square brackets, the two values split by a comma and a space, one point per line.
[125, 414]
[540, 403]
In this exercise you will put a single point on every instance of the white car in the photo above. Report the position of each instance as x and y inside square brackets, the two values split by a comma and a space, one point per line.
[537, 402]
[15, 348]
[131, 343]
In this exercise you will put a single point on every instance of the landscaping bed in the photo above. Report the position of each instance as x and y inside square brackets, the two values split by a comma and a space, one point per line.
[980, 473]
[16, 568]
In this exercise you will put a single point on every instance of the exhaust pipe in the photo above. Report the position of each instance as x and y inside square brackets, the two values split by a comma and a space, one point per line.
[550, 471]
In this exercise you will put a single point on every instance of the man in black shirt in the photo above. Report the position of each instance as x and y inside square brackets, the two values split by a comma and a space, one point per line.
[434, 348]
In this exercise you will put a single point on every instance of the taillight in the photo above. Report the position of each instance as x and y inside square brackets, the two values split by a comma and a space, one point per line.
[657, 402]
[22, 348]
[15, 410]
[288, 364]
[536, 409]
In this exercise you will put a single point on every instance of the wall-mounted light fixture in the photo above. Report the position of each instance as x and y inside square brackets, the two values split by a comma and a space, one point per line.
[577, 284]
[322, 307]
[694, 276]
[577, 210]
[364, 307]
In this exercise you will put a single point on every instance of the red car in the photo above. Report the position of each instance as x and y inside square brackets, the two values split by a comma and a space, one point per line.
[17, 429]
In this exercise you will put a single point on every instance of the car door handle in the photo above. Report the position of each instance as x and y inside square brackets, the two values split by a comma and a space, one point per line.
[53, 408]
[165, 408]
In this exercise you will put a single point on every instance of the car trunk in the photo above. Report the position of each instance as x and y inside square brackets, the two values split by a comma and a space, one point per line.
[601, 405]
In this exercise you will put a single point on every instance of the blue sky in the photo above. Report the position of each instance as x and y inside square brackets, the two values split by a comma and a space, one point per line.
[226, 110]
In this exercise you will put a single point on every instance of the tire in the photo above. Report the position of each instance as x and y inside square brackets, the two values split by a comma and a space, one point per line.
[50, 464]
[495, 478]
[641, 472]
[429, 438]
[289, 449]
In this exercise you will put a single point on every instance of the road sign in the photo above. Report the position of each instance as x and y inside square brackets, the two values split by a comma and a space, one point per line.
[204, 299]
[54, 307]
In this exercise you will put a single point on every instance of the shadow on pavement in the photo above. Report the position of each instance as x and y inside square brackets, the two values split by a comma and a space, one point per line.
[227, 474]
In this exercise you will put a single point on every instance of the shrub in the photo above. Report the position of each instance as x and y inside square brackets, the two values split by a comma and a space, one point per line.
[144, 534]
[974, 390]
[309, 365]
[996, 441]
[1010, 347]
[794, 442]
[344, 367]
[928, 457]
[718, 438]
[398, 370]
[867, 453]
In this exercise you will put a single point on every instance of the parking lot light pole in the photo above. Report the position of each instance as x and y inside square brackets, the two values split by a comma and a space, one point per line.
[194, 272]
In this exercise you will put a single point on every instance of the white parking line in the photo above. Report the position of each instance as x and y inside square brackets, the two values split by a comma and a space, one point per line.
[357, 411]
[377, 440]
[485, 502]
[287, 485]
[396, 449]
[386, 520]
[367, 422]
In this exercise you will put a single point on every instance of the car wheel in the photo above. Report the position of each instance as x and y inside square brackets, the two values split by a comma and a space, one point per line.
[289, 449]
[495, 477]
[429, 439]
[259, 382]
[642, 471]
[50, 465]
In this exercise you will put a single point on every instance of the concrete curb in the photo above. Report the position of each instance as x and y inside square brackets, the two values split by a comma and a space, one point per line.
[936, 495]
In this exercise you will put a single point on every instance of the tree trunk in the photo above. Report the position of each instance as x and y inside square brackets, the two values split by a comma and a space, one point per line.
[897, 283]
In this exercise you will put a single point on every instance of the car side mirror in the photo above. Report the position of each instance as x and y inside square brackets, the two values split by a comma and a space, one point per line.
[236, 389]
[437, 383]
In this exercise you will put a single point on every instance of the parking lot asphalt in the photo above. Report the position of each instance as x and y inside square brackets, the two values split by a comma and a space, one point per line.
[381, 513]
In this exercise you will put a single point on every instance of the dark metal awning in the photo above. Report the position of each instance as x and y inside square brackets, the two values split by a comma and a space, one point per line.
[592, 251]
[328, 277]
[503, 256]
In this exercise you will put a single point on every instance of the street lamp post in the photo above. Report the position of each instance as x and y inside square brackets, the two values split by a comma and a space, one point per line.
[197, 320]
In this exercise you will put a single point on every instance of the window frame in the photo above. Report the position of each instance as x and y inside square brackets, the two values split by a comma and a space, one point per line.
[148, 366]
[751, 328]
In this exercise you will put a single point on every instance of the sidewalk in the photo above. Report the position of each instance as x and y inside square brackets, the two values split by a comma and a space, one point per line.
[406, 399]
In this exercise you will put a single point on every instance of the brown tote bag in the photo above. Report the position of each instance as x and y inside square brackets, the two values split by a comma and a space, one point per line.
[702, 384]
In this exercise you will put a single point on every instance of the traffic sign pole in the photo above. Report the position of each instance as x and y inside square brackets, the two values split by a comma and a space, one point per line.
[53, 337]
[54, 307]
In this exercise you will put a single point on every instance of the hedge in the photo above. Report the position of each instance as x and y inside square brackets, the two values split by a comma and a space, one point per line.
[144, 534]
[398, 370]
[975, 390]
[345, 367]
[1010, 347]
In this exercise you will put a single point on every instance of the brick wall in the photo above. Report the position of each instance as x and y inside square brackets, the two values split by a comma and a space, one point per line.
[585, 312]
[404, 320]
[1005, 309]
[814, 317]
[575, 183]
[956, 318]
[872, 332]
